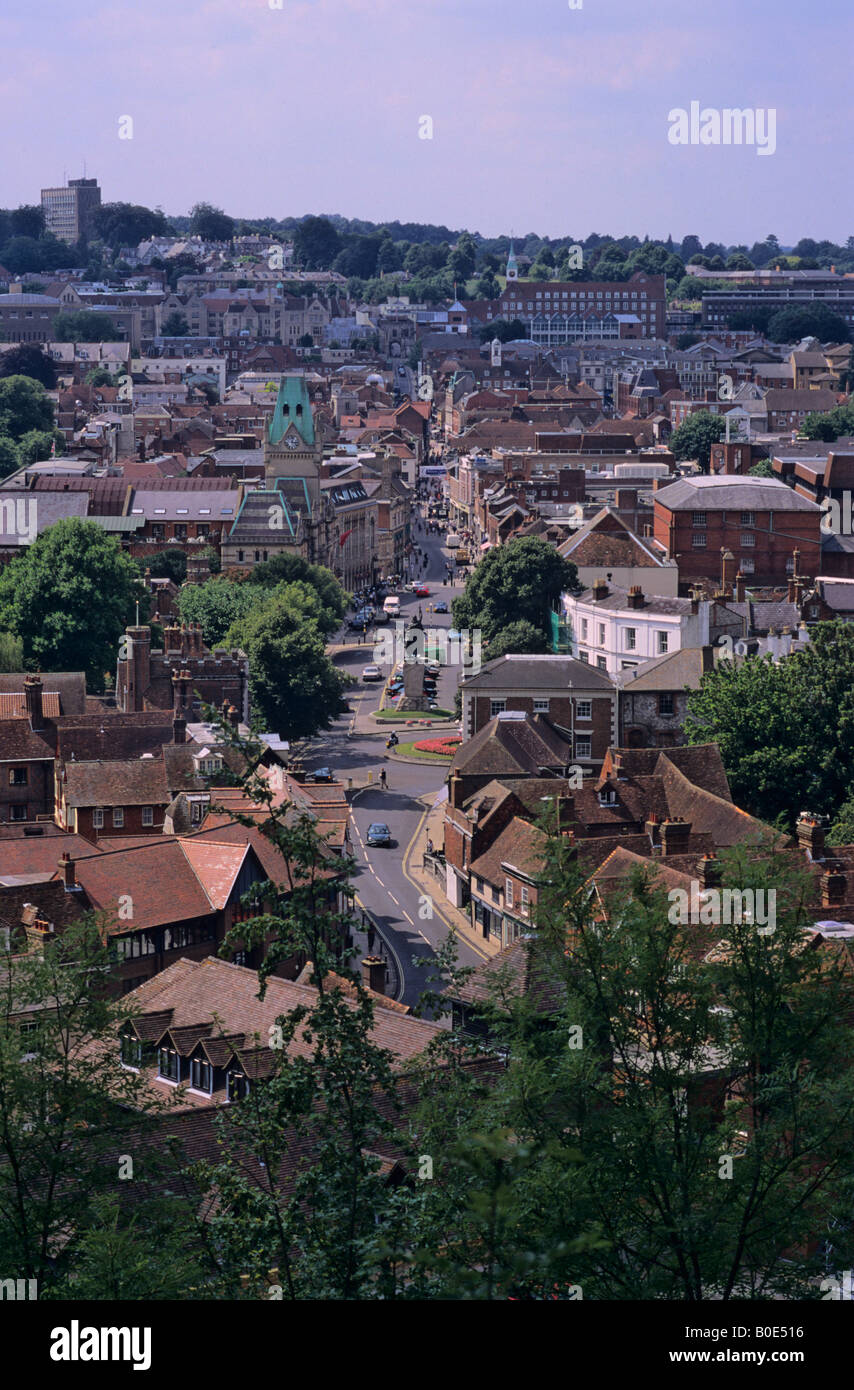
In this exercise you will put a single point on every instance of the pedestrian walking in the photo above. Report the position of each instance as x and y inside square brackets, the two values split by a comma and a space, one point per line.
[383, 777]
[429, 845]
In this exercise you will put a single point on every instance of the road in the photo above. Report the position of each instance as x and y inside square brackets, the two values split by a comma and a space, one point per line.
[412, 925]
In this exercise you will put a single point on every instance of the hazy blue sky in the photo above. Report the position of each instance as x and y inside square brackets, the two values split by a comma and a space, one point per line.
[546, 119]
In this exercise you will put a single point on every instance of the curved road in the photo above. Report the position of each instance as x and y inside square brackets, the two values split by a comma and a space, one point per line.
[382, 882]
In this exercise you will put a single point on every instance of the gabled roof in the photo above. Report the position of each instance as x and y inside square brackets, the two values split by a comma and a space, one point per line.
[515, 747]
[606, 542]
[538, 672]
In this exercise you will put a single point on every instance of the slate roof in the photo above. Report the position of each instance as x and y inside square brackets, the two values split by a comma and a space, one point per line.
[733, 493]
[541, 672]
[606, 542]
[674, 671]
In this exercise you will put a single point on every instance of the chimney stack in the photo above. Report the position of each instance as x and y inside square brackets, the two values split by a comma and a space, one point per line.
[600, 589]
[675, 835]
[653, 829]
[67, 870]
[33, 697]
[810, 832]
[709, 871]
[179, 729]
[373, 974]
[740, 588]
[833, 885]
[636, 598]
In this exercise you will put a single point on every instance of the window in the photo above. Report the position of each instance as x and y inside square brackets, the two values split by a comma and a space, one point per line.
[631, 635]
[98, 818]
[584, 629]
[747, 565]
[665, 704]
[584, 709]
[662, 640]
[698, 518]
[168, 1064]
[541, 707]
[601, 641]
[148, 815]
[201, 1075]
[748, 519]
[18, 812]
[601, 663]
[118, 816]
[17, 776]
[699, 540]
[508, 891]
[748, 539]
[583, 746]
[236, 1085]
[496, 707]
[131, 1050]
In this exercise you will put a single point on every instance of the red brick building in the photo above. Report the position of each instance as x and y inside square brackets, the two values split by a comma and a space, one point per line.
[578, 699]
[760, 521]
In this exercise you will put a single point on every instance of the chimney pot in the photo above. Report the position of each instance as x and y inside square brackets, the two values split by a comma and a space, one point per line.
[373, 974]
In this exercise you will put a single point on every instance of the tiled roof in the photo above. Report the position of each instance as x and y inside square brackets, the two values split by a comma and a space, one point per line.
[140, 782]
[513, 747]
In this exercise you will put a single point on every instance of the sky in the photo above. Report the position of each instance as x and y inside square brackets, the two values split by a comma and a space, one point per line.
[545, 118]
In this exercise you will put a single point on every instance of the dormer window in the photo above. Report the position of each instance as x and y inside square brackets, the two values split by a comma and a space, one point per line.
[168, 1065]
[201, 1075]
[131, 1050]
[236, 1085]
[607, 796]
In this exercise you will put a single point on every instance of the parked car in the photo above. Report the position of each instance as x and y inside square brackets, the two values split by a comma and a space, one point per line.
[422, 591]
[432, 668]
[378, 834]
[320, 774]
[441, 607]
[372, 673]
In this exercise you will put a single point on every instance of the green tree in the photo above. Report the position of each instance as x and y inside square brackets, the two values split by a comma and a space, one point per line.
[285, 567]
[520, 636]
[217, 605]
[830, 425]
[84, 326]
[27, 220]
[37, 444]
[521, 581]
[69, 597]
[9, 461]
[24, 406]
[316, 243]
[695, 436]
[101, 376]
[461, 261]
[816, 320]
[786, 732]
[28, 360]
[127, 224]
[739, 261]
[62, 1095]
[294, 687]
[170, 563]
[175, 325]
[506, 331]
[762, 469]
[11, 652]
[210, 223]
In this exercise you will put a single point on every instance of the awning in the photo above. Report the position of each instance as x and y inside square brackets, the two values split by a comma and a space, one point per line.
[485, 545]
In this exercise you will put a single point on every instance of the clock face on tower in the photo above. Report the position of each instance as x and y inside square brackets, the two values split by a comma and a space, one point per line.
[291, 442]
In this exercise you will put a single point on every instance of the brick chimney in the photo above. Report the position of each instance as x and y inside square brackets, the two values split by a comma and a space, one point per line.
[33, 697]
[373, 974]
[834, 885]
[810, 832]
[653, 829]
[709, 871]
[455, 790]
[740, 588]
[708, 658]
[636, 598]
[68, 873]
[675, 835]
[138, 668]
[695, 602]
[179, 729]
[600, 589]
[233, 716]
[181, 682]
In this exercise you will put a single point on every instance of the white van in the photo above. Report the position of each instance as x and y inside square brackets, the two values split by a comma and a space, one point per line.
[391, 607]
[452, 541]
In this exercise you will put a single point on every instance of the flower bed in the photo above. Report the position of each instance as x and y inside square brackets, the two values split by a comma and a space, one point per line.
[445, 747]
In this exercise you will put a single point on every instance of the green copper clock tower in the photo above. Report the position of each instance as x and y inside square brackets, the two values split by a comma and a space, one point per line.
[291, 448]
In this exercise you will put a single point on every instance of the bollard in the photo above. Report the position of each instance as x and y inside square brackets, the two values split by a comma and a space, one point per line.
[370, 775]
